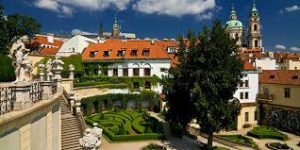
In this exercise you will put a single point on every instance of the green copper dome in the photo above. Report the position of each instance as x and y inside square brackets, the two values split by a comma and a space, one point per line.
[254, 11]
[234, 24]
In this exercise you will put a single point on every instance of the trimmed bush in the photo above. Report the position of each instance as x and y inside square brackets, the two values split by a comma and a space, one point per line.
[239, 139]
[7, 72]
[108, 100]
[118, 126]
[264, 132]
[153, 147]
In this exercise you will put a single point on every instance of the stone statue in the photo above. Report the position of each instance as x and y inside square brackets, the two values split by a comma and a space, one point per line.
[23, 67]
[57, 67]
[90, 141]
[71, 69]
[49, 74]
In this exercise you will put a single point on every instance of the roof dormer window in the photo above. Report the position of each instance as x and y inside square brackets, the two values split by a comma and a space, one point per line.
[134, 52]
[93, 53]
[146, 52]
[121, 53]
[106, 53]
[272, 76]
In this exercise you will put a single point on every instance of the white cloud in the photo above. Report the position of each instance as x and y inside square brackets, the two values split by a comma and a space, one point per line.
[175, 8]
[66, 7]
[200, 17]
[47, 4]
[80, 32]
[280, 47]
[295, 48]
[290, 9]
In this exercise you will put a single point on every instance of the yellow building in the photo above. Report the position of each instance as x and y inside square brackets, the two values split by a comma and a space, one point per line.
[279, 99]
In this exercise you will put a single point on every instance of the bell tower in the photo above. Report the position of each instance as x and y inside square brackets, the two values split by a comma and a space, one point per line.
[254, 36]
[116, 29]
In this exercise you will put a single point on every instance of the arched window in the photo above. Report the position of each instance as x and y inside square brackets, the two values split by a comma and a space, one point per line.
[255, 27]
[237, 36]
[255, 43]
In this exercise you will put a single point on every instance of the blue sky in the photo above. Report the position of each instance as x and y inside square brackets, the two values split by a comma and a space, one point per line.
[162, 18]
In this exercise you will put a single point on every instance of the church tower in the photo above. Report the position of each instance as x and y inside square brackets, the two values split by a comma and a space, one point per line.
[235, 28]
[254, 36]
[116, 29]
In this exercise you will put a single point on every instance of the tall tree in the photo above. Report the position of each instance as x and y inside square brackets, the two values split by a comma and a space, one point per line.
[14, 26]
[209, 72]
[3, 32]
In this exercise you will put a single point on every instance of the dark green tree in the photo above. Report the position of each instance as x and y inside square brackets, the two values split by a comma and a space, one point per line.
[3, 32]
[14, 26]
[204, 82]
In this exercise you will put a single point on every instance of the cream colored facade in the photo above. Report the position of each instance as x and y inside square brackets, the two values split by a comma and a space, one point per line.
[278, 94]
[248, 115]
[35, 128]
[293, 64]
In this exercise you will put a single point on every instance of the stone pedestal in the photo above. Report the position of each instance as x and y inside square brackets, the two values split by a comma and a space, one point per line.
[47, 90]
[22, 96]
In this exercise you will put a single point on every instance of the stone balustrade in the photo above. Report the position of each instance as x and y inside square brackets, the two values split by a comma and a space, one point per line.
[14, 97]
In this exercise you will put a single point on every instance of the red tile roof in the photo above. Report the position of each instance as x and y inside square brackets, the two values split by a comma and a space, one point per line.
[286, 77]
[248, 66]
[156, 51]
[43, 40]
[48, 51]
[48, 48]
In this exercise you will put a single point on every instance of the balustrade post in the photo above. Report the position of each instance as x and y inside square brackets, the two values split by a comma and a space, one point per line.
[42, 72]
[71, 69]
[47, 90]
[57, 68]
[72, 101]
[22, 96]
[78, 104]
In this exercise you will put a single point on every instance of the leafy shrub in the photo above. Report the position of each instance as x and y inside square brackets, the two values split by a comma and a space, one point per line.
[153, 147]
[262, 132]
[176, 129]
[239, 139]
[7, 72]
[75, 60]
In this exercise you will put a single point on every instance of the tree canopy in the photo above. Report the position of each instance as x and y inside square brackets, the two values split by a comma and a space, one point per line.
[14, 26]
[203, 84]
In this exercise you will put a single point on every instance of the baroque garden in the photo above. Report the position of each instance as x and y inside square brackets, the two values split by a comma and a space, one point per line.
[208, 90]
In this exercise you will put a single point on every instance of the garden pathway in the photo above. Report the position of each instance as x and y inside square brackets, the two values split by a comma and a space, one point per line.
[292, 141]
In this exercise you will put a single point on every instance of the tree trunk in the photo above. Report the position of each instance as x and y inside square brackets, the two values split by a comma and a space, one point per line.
[210, 140]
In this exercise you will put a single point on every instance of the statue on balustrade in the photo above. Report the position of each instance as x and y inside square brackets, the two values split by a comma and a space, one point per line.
[19, 54]
[92, 138]
[49, 74]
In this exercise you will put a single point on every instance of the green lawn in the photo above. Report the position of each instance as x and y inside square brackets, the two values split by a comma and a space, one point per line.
[239, 139]
[119, 125]
[265, 132]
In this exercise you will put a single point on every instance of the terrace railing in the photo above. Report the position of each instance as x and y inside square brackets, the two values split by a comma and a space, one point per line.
[7, 99]
[13, 96]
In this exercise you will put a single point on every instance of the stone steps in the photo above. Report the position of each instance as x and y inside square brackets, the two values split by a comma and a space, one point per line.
[70, 129]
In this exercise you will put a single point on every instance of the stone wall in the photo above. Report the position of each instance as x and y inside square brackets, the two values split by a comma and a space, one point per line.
[283, 118]
[34, 128]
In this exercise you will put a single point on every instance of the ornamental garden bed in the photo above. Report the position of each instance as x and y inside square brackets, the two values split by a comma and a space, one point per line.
[124, 125]
[265, 132]
[238, 139]
[278, 146]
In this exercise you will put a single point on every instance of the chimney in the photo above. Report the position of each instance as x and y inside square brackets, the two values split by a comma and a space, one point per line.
[50, 38]
[271, 54]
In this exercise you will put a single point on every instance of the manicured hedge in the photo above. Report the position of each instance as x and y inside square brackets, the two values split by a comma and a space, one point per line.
[100, 85]
[263, 132]
[89, 102]
[7, 72]
[113, 137]
[239, 139]
[100, 80]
